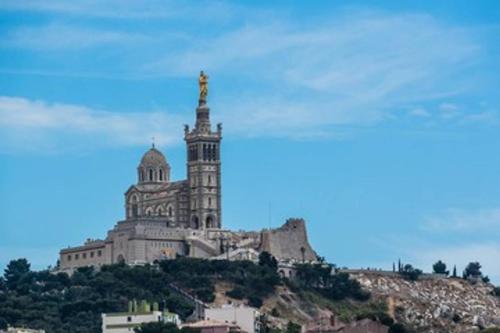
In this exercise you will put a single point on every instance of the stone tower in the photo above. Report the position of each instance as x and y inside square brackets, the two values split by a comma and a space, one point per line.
[204, 170]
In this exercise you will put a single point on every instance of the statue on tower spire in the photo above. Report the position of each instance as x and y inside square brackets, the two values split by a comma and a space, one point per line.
[203, 83]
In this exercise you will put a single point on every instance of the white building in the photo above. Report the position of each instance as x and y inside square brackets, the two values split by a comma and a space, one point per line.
[125, 322]
[247, 318]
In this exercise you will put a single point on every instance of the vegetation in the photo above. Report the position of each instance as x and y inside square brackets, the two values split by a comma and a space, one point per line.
[440, 268]
[160, 327]
[473, 269]
[398, 328]
[410, 273]
[319, 277]
[59, 303]
[496, 291]
[492, 330]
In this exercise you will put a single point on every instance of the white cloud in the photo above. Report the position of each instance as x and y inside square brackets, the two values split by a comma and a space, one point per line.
[287, 79]
[420, 112]
[354, 70]
[458, 220]
[35, 124]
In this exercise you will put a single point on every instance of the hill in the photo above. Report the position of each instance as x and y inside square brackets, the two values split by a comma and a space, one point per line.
[61, 303]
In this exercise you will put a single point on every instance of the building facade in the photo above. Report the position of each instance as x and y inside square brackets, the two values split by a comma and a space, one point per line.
[247, 318]
[165, 218]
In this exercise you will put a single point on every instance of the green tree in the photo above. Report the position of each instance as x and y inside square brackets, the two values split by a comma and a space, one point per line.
[454, 271]
[3, 324]
[473, 269]
[410, 273]
[398, 328]
[440, 268]
[496, 291]
[266, 259]
[15, 272]
[292, 327]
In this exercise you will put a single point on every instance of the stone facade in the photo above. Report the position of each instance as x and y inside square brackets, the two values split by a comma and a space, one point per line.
[165, 219]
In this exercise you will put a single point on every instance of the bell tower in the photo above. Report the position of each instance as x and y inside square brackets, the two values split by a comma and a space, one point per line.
[204, 166]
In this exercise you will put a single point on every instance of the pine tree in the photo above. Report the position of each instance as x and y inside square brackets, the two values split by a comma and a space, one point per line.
[454, 271]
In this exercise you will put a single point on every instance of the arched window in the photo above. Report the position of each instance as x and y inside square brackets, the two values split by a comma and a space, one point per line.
[209, 180]
[209, 222]
[195, 224]
[205, 152]
[209, 202]
[214, 152]
[150, 175]
[170, 211]
[161, 174]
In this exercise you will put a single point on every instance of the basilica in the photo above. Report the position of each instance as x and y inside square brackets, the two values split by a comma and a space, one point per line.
[165, 218]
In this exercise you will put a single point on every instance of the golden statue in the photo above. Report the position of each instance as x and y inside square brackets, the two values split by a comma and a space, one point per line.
[203, 82]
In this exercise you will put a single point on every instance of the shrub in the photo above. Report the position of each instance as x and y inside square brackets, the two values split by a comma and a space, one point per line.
[410, 273]
[237, 292]
[473, 269]
[440, 268]
[338, 286]
[398, 328]
[496, 291]
[255, 301]
[492, 330]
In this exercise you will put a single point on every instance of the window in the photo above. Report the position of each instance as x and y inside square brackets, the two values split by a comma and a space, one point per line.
[76, 256]
[129, 319]
[209, 202]
[69, 257]
[209, 179]
[161, 174]
[170, 213]
[151, 175]
[214, 152]
[84, 256]
[92, 254]
[205, 157]
[99, 253]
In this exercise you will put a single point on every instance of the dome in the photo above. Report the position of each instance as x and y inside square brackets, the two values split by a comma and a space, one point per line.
[153, 167]
[153, 157]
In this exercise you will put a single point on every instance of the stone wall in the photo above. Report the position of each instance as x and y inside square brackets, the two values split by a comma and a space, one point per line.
[288, 242]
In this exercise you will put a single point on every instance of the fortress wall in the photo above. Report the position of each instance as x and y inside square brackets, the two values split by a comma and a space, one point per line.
[288, 241]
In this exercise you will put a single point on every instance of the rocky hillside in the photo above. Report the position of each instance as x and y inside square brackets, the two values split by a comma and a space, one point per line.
[437, 304]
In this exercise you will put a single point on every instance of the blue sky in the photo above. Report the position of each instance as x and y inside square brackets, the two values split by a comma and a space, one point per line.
[378, 122]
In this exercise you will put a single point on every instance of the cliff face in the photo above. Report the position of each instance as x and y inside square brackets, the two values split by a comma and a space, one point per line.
[435, 305]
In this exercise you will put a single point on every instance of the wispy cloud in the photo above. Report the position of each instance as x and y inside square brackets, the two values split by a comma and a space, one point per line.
[459, 220]
[32, 124]
[65, 37]
[280, 77]
[117, 9]
[361, 69]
